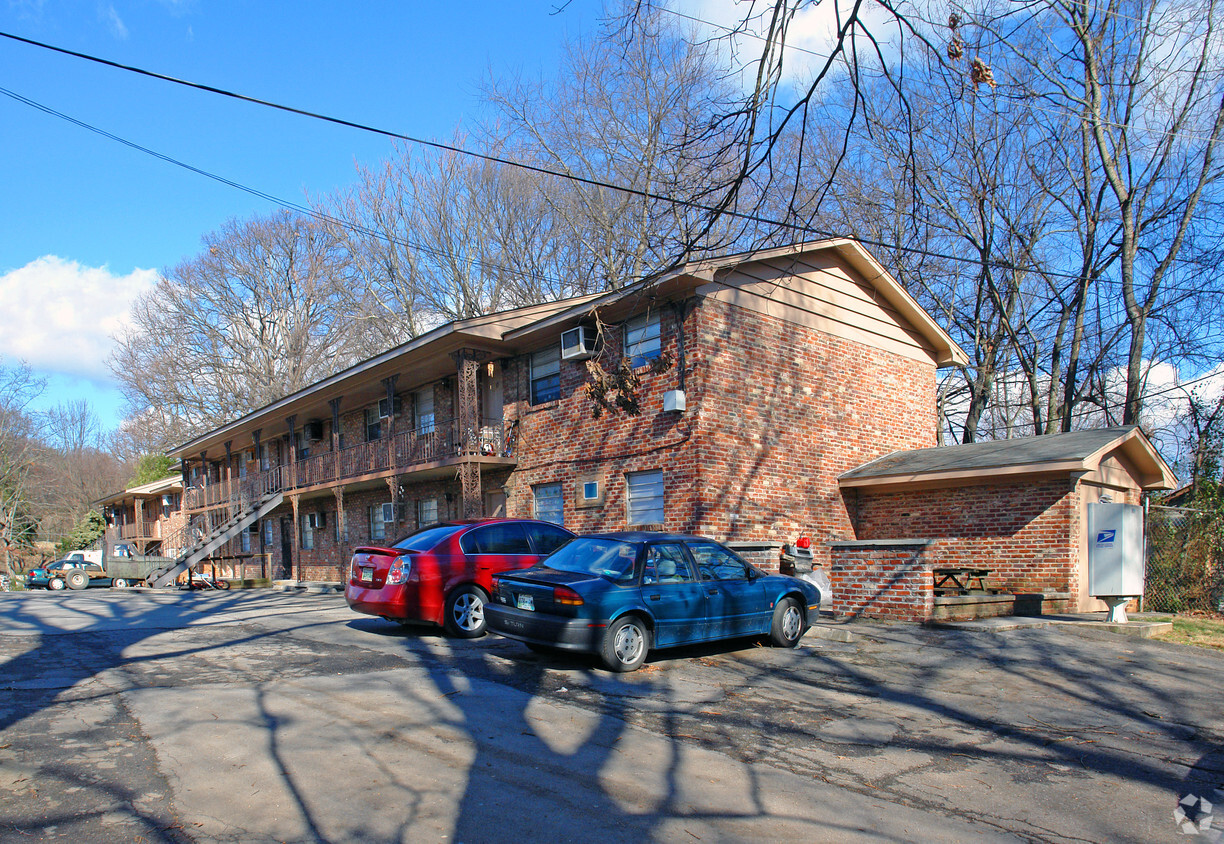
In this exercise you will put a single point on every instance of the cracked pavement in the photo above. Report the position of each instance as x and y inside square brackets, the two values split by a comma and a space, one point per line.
[267, 716]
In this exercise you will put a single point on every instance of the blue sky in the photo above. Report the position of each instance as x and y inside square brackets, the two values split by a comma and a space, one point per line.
[89, 222]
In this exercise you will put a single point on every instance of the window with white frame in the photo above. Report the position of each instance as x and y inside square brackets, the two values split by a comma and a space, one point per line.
[546, 375]
[308, 534]
[265, 457]
[267, 528]
[423, 408]
[427, 511]
[245, 542]
[642, 338]
[549, 503]
[645, 497]
[378, 528]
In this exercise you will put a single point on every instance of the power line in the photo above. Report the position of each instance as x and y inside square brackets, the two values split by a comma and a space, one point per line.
[494, 159]
[275, 200]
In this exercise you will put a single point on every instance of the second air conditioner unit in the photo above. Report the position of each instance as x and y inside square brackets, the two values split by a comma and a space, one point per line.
[579, 343]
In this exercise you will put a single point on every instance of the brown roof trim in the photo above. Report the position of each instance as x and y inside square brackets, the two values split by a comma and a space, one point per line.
[1130, 441]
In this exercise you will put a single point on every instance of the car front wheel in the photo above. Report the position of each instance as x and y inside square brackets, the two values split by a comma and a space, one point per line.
[625, 644]
[787, 626]
[464, 613]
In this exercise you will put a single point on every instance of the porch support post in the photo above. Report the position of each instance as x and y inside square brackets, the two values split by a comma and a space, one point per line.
[389, 384]
[335, 436]
[467, 361]
[296, 501]
[394, 487]
[341, 528]
[229, 477]
[291, 422]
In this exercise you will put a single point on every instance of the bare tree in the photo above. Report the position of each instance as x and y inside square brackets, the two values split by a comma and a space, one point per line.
[18, 453]
[260, 313]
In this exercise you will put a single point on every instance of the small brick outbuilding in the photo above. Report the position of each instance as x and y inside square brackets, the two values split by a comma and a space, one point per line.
[1016, 507]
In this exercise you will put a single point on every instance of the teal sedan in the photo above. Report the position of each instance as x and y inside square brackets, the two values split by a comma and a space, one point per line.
[621, 595]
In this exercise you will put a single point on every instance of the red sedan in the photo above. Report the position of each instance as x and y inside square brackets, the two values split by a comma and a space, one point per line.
[441, 574]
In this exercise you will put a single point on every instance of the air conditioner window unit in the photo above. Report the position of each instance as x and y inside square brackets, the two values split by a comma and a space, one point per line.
[313, 430]
[317, 520]
[579, 343]
[385, 407]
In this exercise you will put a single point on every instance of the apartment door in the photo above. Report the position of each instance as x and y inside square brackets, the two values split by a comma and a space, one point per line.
[285, 569]
[495, 505]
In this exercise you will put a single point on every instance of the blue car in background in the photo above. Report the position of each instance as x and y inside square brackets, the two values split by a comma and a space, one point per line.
[621, 595]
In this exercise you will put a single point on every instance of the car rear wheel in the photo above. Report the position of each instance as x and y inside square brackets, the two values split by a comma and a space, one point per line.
[55, 583]
[119, 583]
[787, 624]
[77, 580]
[464, 613]
[625, 644]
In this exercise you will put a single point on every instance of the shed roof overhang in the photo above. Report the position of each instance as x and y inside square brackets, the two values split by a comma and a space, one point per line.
[1078, 453]
[420, 361]
[153, 489]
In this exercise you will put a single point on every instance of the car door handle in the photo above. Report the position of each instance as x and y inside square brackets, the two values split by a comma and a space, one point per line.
[711, 591]
[655, 597]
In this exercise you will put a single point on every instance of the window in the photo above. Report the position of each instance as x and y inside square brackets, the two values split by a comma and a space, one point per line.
[717, 563]
[267, 530]
[427, 511]
[245, 542]
[498, 538]
[373, 424]
[665, 563]
[642, 341]
[265, 457]
[645, 497]
[423, 407]
[546, 375]
[378, 528]
[548, 503]
[547, 538]
[308, 534]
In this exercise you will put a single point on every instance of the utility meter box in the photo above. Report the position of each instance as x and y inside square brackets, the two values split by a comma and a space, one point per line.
[1115, 549]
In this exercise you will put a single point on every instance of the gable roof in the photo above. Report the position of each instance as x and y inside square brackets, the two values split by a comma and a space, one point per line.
[712, 273]
[1077, 451]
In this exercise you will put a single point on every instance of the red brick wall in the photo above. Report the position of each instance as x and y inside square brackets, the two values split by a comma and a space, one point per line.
[775, 413]
[890, 581]
[1025, 532]
[783, 411]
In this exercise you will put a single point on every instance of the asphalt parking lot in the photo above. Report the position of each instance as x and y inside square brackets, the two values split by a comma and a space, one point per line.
[266, 716]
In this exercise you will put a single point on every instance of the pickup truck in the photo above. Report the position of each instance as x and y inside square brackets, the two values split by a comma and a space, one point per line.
[77, 574]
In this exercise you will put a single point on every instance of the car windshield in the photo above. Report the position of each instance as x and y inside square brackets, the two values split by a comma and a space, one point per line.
[610, 558]
[425, 540]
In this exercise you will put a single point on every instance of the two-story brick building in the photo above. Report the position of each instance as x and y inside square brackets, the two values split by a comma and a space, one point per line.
[761, 380]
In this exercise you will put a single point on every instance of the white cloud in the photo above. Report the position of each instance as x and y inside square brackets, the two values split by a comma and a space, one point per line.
[60, 316]
[811, 35]
[110, 16]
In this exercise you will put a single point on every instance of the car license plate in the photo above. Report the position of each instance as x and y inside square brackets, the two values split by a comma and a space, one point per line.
[525, 602]
[367, 574]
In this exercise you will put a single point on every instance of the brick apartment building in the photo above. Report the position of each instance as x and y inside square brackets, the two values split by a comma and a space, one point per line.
[763, 381]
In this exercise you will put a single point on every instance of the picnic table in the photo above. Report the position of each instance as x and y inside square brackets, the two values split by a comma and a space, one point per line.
[960, 580]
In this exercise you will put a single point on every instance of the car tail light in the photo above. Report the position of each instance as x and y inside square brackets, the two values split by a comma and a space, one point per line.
[566, 596]
[401, 567]
[355, 573]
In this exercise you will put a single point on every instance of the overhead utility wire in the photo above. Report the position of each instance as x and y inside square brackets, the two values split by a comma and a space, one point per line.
[275, 200]
[638, 192]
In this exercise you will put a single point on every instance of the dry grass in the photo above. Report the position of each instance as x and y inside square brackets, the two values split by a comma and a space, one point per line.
[1204, 631]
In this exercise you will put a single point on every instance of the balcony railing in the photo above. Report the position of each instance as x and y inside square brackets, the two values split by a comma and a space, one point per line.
[408, 450]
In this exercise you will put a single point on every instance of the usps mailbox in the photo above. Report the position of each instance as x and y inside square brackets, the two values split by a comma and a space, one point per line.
[1115, 555]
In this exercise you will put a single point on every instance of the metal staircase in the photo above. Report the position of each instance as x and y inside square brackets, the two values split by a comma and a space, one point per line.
[204, 539]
